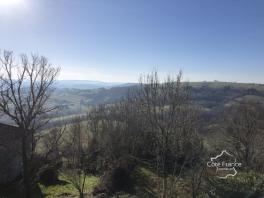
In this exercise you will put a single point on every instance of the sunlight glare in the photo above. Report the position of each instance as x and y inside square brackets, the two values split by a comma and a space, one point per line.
[10, 2]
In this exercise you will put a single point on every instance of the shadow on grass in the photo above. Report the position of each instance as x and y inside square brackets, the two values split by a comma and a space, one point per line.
[59, 182]
[143, 184]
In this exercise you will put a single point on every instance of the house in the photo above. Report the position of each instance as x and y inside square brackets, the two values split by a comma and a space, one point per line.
[10, 153]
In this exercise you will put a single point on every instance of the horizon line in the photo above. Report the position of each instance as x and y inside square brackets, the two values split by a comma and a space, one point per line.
[185, 81]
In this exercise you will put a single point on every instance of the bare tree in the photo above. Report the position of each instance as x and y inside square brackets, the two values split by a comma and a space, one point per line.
[25, 87]
[173, 120]
[52, 142]
[196, 176]
[75, 151]
[244, 133]
[107, 127]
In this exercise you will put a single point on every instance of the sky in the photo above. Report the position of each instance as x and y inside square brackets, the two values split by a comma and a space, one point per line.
[118, 40]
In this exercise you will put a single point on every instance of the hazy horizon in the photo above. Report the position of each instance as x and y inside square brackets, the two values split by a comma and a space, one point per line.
[120, 83]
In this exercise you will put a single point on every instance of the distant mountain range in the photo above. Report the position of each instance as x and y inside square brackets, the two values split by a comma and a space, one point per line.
[88, 84]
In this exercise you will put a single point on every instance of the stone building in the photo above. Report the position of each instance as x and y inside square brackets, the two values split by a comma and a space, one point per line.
[10, 153]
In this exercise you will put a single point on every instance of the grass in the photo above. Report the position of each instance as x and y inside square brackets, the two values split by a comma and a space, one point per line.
[146, 184]
[65, 189]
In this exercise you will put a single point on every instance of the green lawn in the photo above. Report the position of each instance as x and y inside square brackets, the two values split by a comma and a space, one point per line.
[65, 189]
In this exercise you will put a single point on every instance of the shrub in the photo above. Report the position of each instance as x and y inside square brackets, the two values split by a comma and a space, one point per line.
[48, 174]
[242, 185]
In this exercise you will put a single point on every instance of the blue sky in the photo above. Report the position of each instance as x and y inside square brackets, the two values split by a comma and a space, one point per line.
[117, 40]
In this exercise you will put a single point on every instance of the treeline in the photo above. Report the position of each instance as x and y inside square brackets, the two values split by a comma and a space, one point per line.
[210, 95]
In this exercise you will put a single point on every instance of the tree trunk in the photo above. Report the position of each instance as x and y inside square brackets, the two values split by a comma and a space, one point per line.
[164, 194]
[26, 181]
[81, 194]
